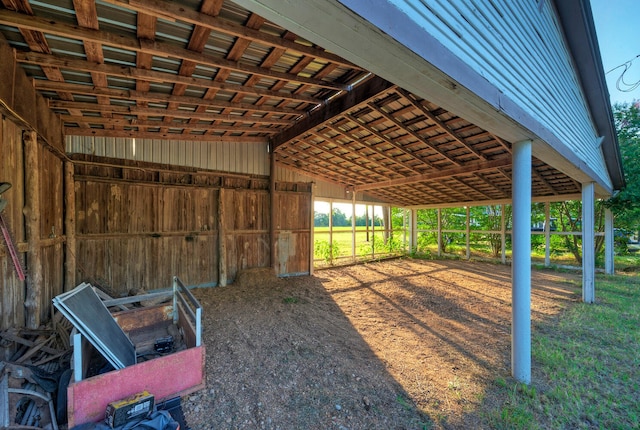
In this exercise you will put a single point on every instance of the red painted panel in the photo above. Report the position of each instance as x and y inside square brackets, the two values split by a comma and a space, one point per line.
[166, 377]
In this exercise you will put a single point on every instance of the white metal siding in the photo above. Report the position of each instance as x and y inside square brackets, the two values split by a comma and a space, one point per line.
[247, 158]
[518, 46]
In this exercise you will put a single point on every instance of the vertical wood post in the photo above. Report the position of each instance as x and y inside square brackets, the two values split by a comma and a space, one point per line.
[31, 212]
[222, 242]
[521, 265]
[609, 267]
[547, 234]
[70, 226]
[312, 232]
[588, 243]
[274, 212]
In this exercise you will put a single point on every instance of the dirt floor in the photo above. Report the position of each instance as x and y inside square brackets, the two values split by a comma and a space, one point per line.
[401, 344]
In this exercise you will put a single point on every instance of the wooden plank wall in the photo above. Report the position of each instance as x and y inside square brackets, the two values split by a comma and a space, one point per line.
[12, 290]
[52, 234]
[139, 224]
[51, 226]
[293, 228]
[139, 235]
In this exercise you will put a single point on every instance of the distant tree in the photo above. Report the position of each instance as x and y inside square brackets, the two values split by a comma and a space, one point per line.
[626, 205]
[339, 218]
[320, 219]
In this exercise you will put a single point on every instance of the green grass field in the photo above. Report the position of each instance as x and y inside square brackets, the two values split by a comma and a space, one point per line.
[590, 364]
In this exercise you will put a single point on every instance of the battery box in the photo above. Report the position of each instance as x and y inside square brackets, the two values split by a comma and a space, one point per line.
[132, 408]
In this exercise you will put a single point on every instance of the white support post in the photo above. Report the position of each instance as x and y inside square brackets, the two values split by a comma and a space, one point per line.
[353, 226]
[547, 234]
[503, 235]
[468, 233]
[439, 232]
[331, 231]
[521, 264]
[588, 243]
[413, 241]
[609, 267]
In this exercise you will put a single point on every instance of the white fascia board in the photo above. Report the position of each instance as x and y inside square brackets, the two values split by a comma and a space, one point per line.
[379, 37]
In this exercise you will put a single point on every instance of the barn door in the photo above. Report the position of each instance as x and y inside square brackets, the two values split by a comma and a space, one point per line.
[293, 229]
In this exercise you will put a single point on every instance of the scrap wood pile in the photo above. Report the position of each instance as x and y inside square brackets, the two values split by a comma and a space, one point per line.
[34, 367]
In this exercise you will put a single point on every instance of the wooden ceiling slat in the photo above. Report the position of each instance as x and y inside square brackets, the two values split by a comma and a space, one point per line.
[162, 49]
[445, 173]
[360, 94]
[425, 163]
[94, 132]
[146, 29]
[439, 123]
[87, 16]
[171, 10]
[61, 104]
[152, 76]
[399, 123]
[374, 148]
[173, 101]
[120, 121]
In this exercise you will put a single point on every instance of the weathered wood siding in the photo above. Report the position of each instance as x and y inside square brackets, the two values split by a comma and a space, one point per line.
[246, 230]
[518, 46]
[136, 235]
[52, 234]
[51, 226]
[246, 158]
[12, 290]
[293, 228]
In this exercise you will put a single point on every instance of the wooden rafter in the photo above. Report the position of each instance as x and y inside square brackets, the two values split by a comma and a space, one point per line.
[170, 10]
[168, 136]
[173, 101]
[145, 75]
[433, 118]
[444, 173]
[120, 120]
[360, 94]
[182, 113]
[162, 49]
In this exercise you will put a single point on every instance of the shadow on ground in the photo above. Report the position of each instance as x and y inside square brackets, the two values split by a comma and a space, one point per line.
[402, 344]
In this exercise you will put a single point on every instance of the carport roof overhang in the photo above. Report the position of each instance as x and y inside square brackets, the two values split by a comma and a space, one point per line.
[415, 61]
[336, 97]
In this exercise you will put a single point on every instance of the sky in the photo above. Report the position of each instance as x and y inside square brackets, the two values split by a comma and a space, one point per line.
[618, 29]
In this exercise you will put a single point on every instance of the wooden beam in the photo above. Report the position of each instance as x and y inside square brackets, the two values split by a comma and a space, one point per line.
[334, 107]
[476, 166]
[71, 131]
[141, 74]
[354, 138]
[122, 121]
[33, 300]
[391, 142]
[134, 110]
[439, 123]
[21, 103]
[156, 97]
[417, 136]
[172, 10]
[161, 49]
[70, 262]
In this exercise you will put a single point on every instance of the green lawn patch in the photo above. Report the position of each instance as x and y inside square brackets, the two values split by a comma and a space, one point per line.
[587, 365]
